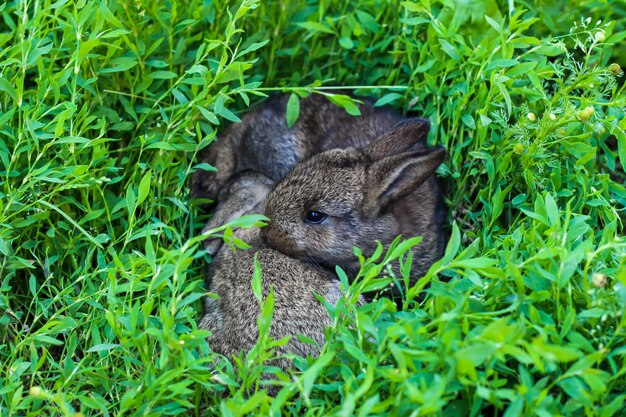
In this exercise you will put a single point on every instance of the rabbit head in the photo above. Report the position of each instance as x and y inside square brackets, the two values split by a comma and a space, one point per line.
[343, 198]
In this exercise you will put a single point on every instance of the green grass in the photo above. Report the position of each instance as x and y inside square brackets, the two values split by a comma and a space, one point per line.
[105, 106]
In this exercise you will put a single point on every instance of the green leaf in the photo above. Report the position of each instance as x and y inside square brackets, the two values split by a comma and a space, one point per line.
[346, 43]
[343, 278]
[293, 109]
[3, 247]
[85, 48]
[162, 75]
[144, 187]
[576, 390]
[501, 63]
[210, 116]
[6, 86]
[454, 243]
[253, 47]
[481, 262]
[493, 24]
[552, 209]
[515, 408]
[228, 115]
[43, 340]
[315, 27]
[257, 279]
[345, 102]
[468, 121]
[180, 97]
[119, 65]
[387, 99]
[310, 375]
[449, 49]
[614, 406]
[357, 353]
[103, 347]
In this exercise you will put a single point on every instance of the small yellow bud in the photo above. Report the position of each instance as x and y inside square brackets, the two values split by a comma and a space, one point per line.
[552, 116]
[36, 392]
[585, 114]
[599, 280]
[518, 148]
[615, 69]
[599, 36]
[531, 116]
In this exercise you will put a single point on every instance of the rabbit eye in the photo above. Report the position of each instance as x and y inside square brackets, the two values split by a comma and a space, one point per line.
[314, 217]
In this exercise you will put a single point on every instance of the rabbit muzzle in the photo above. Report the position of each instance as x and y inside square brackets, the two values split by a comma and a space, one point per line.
[281, 241]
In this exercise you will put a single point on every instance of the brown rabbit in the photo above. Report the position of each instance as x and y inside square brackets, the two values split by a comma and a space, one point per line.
[352, 197]
[232, 318]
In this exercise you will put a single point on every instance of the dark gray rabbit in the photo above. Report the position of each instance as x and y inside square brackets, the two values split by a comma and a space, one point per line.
[354, 196]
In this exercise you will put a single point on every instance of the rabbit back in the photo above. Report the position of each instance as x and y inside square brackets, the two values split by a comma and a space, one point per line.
[232, 318]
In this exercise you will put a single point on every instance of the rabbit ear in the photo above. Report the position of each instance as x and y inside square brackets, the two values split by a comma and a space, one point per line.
[400, 138]
[395, 177]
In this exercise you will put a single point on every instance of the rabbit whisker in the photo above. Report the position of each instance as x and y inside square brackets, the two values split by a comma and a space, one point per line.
[314, 262]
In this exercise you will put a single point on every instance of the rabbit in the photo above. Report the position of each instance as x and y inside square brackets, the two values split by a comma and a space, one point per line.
[262, 142]
[232, 318]
[349, 197]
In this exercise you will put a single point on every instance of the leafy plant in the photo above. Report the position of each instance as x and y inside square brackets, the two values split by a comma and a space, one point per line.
[105, 107]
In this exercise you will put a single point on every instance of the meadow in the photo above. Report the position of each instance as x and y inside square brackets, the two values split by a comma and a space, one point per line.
[106, 105]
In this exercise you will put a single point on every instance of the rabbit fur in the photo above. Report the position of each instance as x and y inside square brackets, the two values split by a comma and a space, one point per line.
[232, 318]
